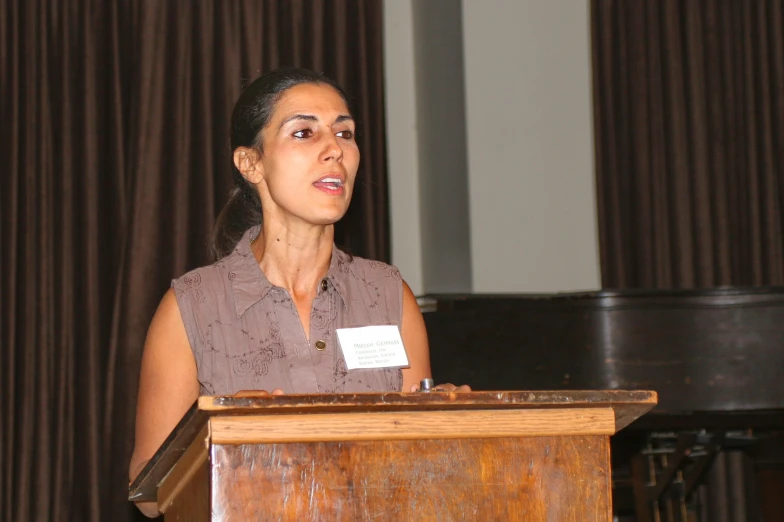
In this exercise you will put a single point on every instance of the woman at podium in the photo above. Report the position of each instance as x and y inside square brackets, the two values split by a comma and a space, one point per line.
[282, 310]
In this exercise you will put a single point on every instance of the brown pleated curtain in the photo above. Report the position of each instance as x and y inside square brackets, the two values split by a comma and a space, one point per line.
[689, 131]
[689, 141]
[114, 162]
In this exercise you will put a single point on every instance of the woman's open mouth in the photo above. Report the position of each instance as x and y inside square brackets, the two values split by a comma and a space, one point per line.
[330, 185]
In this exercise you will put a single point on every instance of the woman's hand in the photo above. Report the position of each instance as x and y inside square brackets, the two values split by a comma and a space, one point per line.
[445, 387]
[257, 393]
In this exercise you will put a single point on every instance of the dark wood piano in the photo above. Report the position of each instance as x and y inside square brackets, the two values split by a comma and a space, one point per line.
[712, 450]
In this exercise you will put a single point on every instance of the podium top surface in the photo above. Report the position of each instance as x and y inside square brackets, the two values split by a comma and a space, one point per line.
[626, 405]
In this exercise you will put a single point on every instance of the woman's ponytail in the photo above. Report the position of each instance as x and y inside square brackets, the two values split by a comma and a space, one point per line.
[241, 212]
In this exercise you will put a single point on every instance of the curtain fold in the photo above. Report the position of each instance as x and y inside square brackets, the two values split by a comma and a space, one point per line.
[115, 159]
[688, 116]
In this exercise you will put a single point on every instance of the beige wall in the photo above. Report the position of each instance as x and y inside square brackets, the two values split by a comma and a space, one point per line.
[402, 141]
[529, 145]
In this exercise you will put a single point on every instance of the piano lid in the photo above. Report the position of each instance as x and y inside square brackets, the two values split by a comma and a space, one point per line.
[702, 350]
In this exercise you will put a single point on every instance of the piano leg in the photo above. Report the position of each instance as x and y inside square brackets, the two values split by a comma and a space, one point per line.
[640, 480]
[768, 455]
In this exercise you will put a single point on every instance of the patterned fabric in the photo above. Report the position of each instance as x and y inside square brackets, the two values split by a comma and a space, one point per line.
[246, 334]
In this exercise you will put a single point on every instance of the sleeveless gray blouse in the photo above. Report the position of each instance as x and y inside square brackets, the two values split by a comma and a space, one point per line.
[245, 333]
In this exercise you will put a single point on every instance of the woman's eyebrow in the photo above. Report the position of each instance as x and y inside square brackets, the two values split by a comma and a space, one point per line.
[306, 117]
[310, 117]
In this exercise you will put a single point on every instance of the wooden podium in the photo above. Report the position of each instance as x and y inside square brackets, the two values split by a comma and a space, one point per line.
[538, 455]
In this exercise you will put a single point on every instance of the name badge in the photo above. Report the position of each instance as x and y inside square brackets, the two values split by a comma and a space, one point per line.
[372, 347]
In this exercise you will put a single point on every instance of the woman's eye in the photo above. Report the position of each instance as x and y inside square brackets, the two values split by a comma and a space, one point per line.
[347, 134]
[304, 133]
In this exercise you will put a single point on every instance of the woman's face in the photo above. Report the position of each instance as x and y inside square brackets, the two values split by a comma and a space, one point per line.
[310, 158]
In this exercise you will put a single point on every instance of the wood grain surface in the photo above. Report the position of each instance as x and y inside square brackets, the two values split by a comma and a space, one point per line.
[547, 479]
[627, 405]
[191, 501]
[410, 425]
[192, 461]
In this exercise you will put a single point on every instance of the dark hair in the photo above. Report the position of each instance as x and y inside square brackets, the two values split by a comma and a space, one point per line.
[251, 115]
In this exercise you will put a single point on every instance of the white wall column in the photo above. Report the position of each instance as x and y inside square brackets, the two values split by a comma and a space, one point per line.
[402, 141]
[521, 214]
[530, 145]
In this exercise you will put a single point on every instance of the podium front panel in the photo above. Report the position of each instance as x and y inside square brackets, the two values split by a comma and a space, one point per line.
[521, 478]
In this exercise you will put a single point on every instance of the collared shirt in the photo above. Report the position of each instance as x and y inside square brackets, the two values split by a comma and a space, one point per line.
[246, 334]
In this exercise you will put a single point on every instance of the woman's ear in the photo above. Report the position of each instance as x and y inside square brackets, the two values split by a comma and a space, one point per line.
[248, 162]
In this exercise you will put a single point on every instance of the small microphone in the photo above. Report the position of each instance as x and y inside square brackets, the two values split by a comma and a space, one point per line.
[426, 385]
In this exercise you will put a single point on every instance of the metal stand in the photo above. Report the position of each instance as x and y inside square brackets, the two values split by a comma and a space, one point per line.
[665, 474]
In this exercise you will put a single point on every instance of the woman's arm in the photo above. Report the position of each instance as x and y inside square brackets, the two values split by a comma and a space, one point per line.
[414, 337]
[168, 386]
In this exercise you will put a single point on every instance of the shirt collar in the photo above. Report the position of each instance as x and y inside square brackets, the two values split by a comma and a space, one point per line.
[249, 284]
